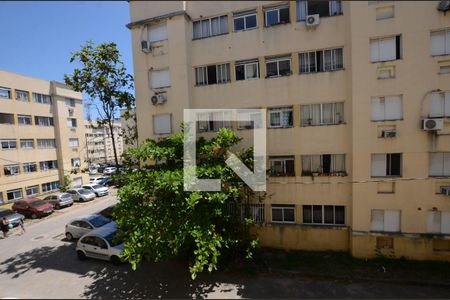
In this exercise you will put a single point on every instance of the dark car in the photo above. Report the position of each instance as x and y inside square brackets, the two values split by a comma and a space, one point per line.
[101, 169]
[106, 181]
[13, 217]
[33, 208]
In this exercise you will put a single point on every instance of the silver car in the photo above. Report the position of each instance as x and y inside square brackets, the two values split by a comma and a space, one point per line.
[80, 194]
[80, 226]
[13, 217]
[97, 189]
[60, 200]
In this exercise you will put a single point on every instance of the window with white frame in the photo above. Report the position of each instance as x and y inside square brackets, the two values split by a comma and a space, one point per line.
[439, 164]
[13, 195]
[321, 60]
[24, 120]
[22, 95]
[41, 98]
[248, 69]
[210, 121]
[5, 93]
[27, 144]
[70, 102]
[32, 190]
[8, 144]
[245, 20]
[43, 121]
[10, 170]
[438, 222]
[276, 15]
[440, 42]
[48, 165]
[50, 186]
[162, 124]
[212, 74]
[439, 105]
[283, 213]
[74, 143]
[385, 220]
[157, 33]
[386, 164]
[280, 66]
[210, 27]
[385, 49]
[46, 143]
[7, 119]
[159, 79]
[282, 166]
[323, 164]
[320, 7]
[71, 122]
[76, 162]
[387, 108]
[280, 117]
[322, 114]
[324, 214]
[29, 167]
[254, 122]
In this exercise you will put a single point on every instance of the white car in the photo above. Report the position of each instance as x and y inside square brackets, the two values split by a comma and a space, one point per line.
[102, 244]
[110, 170]
[97, 189]
[96, 180]
[80, 226]
[80, 194]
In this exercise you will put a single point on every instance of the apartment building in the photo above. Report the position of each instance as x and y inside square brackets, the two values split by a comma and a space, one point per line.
[99, 142]
[40, 134]
[357, 120]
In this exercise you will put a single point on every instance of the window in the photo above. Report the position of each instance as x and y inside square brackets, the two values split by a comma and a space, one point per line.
[10, 170]
[14, 195]
[383, 13]
[212, 74]
[159, 79]
[210, 121]
[438, 222]
[1, 198]
[71, 122]
[27, 144]
[276, 67]
[70, 102]
[22, 95]
[29, 167]
[282, 213]
[73, 143]
[24, 119]
[254, 212]
[210, 27]
[387, 108]
[76, 162]
[440, 42]
[8, 144]
[282, 166]
[324, 214]
[162, 124]
[439, 164]
[43, 121]
[248, 69]
[46, 143]
[6, 119]
[280, 117]
[32, 190]
[385, 49]
[157, 33]
[277, 15]
[50, 186]
[5, 93]
[255, 119]
[322, 8]
[324, 164]
[48, 165]
[41, 98]
[321, 114]
[440, 105]
[385, 220]
[245, 20]
[321, 61]
[389, 164]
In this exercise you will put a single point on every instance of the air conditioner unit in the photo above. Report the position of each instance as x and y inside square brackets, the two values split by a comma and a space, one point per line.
[145, 47]
[445, 190]
[432, 124]
[444, 6]
[160, 98]
[391, 133]
[312, 20]
[70, 112]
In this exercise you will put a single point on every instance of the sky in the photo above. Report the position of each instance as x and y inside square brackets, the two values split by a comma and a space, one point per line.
[37, 37]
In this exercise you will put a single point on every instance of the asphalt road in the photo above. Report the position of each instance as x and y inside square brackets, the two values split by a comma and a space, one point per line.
[41, 264]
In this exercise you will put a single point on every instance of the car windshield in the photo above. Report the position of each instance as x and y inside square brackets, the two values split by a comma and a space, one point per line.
[113, 240]
[36, 203]
[6, 212]
[96, 186]
[65, 196]
[84, 191]
[99, 221]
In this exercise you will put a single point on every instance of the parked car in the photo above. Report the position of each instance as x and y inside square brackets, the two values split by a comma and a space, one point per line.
[93, 171]
[101, 168]
[13, 217]
[80, 226]
[107, 212]
[80, 194]
[60, 200]
[110, 171]
[101, 243]
[97, 189]
[106, 181]
[96, 179]
[33, 208]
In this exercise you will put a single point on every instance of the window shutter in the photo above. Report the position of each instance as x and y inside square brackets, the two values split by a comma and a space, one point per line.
[447, 42]
[377, 109]
[393, 107]
[162, 124]
[435, 164]
[374, 51]
[157, 33]
[387, 49]
[445, 222]
[447, 104]
[377, 220]
[378, 164]
[392, 220]
[446, 166]
[434, 222]
[159, 78]
[436, 105]
[438, 43]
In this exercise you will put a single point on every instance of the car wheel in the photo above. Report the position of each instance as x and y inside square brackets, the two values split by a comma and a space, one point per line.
[81, 255]
[69, 236]
[33, 216]
[116, 260]
[57, 206]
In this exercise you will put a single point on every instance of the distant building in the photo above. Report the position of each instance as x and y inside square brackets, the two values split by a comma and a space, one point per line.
[99, 143]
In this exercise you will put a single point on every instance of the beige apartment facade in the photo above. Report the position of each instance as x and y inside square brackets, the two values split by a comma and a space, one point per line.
[347, 87]
[41, 136]
[99, 142]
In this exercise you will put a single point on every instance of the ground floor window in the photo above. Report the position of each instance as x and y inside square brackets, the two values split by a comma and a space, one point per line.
[324, 214]
[283, 213]
[14, 195]
[385, 220]
[32, 190]
[50, 186]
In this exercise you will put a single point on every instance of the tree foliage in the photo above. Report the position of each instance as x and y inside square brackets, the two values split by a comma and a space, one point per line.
[67, 181]
[161, 221]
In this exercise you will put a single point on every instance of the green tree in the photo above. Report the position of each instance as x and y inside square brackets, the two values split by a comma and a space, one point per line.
[161, 221]
[66, 183]
[103, 77]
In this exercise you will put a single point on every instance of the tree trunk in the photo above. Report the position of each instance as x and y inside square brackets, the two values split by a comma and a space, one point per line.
[111, 130]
